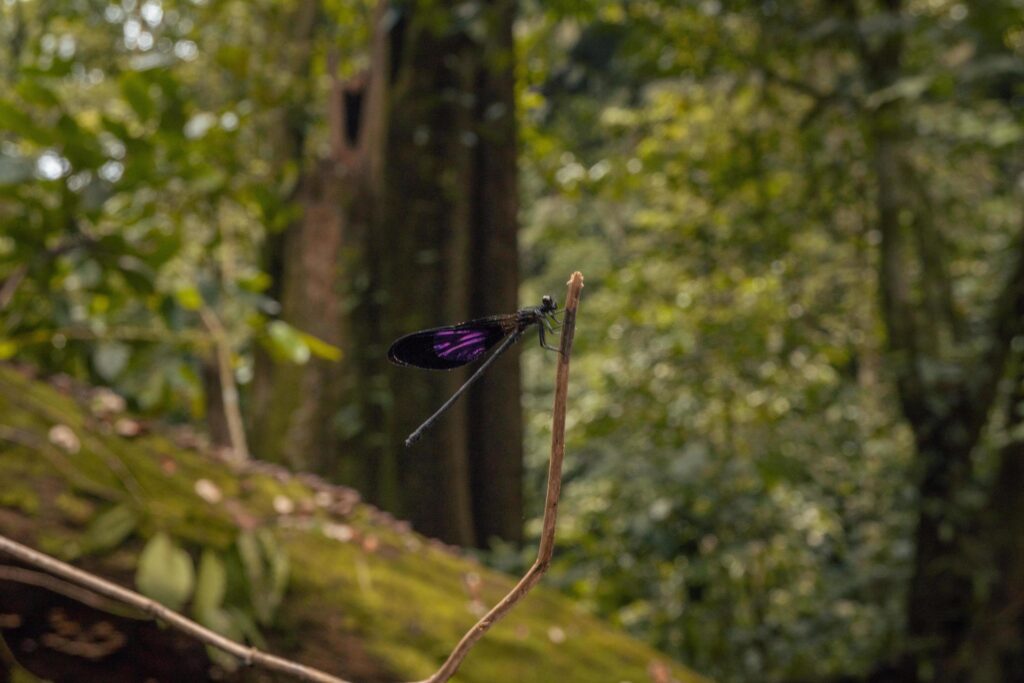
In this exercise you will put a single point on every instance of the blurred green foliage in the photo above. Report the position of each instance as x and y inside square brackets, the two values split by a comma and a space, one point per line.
[137, 183]
[740, 484]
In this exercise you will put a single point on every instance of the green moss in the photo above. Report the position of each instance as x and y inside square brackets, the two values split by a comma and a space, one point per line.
[59, 543]
[75, 509]
[20, 498]
[405, 603]
[411, 607]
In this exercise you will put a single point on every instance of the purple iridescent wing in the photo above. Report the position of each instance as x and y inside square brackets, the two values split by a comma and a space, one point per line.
[444, 348]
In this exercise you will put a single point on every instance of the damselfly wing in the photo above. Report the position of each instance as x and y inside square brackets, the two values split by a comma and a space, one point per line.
[444, 348]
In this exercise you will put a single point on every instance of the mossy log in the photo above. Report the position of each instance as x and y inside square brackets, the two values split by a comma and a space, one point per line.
[365, 598]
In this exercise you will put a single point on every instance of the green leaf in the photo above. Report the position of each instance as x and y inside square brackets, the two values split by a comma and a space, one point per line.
[287, 342]
[211, 586]
[277, 560]
[246, 626]
[18, 121]
[136, 273]
[320, 348]
[136, 90]
[109, 529]
[7, 349]
[110, 358]
[266, 570]
[209, 181]
[81, 148]
[909, 88]
[33, 90]
[189, 298]
[165, 572]
[254, 281]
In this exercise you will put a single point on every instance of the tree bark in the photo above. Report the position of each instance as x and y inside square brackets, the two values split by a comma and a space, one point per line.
[945, 400]
[412, 224]
[997, 650]
[426, 222]
[450, 221]
[296, 416]
[495, 416]
[289, 402]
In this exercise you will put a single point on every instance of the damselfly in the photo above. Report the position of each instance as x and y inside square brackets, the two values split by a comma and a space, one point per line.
[445, 348]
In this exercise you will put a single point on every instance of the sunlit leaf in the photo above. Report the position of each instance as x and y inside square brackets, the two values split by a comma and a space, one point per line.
[287, 342]
[189, 298]
[165, 572]
[109, 529]
[320, 348]
[7, 349]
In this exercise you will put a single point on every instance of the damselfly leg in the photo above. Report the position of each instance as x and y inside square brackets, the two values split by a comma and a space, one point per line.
[543, 340]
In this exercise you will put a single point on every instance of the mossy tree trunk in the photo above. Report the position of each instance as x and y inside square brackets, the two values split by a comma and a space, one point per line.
[447, 251]
[419, 230]
[496, 427]
[291, 404]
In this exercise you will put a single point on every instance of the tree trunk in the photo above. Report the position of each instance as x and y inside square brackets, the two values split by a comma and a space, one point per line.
[290, 402]
[419, 230]
[998, 641]
[945, 399]
[450, 222]
[296, 410]
[495, 416]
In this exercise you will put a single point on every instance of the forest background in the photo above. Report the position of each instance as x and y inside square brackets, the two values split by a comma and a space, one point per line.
[795, 441]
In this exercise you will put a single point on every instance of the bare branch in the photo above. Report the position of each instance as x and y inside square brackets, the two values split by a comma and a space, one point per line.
[249, 656]
[10, 285]
[228, 388]
[547, 539]
[69, 590]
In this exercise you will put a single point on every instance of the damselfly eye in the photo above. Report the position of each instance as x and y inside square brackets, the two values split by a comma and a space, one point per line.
[548, 303]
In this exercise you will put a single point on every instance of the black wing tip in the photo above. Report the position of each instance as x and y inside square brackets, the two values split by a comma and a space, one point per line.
[394, 358]
[417, 349]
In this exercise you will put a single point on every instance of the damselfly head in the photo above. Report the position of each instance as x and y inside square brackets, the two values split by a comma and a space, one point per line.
[547, 304]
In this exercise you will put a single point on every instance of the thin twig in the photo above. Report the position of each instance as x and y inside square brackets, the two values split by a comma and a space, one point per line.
[249, 656]
[10, 285]
[547, 539]
[67, 589]
[228, 388]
